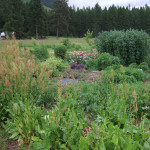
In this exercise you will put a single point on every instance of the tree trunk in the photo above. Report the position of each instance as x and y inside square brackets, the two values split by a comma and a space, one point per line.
[57, 28]
[36, 33]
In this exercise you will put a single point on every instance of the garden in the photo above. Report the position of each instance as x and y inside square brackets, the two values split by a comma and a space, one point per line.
[76, 94]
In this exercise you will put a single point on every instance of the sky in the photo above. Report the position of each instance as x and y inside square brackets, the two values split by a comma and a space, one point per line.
[107, 3]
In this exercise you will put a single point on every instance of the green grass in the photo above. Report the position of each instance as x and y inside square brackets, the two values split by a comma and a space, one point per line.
[51, 41]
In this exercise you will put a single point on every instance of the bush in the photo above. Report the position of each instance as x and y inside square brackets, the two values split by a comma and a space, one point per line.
[137, 73]
[105, 60]
[144, 66]
[60, 51]
[66, 42]
[119, 74]
[133, 65]
[54, 64]
[92, 64]
[40, 51]
[131, 46]
[147, 60]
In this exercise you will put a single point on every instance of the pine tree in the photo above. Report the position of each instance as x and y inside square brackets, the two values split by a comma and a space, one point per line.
[36, 18]
[97, 27]
[12, 15]
[61, 11]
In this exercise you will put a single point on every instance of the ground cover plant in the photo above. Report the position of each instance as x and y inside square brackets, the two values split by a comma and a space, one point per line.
[111, 112]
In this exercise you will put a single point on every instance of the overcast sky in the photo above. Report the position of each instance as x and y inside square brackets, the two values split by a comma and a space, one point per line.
[107, 3]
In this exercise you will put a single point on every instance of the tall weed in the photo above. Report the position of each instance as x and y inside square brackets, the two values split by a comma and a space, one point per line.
[19, 74]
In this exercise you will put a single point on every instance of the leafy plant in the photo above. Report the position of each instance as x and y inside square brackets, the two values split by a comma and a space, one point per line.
[105, 60]
[54, 64]
[67, 43]
[89, 39]
[20, 125]
[144, 66]
[60, 51]
[40, 51]
[130, 46]
[19, 74]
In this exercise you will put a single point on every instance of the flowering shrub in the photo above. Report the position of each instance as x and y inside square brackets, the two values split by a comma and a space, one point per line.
[81, 57]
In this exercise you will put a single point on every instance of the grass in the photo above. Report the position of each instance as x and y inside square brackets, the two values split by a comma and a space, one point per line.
[50, 41]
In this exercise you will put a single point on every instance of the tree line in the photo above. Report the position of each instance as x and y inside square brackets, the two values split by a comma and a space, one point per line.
[32, 19]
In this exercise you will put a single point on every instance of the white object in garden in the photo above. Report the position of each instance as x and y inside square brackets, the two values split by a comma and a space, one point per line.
[2, 34]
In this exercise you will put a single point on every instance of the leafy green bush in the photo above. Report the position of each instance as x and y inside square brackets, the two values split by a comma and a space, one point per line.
[147, 60]
[137, 73]
[144, 66]
[89, 39]
[133, 65]
[92, 64]
[105, 60]
[54, 64]
[130, 46]
[123, 74]
[67, 43]
[60, 51]
[40, 51]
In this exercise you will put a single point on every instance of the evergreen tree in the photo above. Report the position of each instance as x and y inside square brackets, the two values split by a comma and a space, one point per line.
[12, 16]
[61, 12]
[36, 18]
[97, 24]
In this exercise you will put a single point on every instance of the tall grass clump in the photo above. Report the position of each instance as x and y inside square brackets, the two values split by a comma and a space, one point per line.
[20, 75]
[131, 46]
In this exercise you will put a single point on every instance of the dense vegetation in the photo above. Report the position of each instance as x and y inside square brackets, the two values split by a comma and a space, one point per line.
[30, 18]
[106, 106]
[109, 112]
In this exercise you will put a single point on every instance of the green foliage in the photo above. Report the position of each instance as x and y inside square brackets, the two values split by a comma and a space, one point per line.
[133, 65]
[67, 43]
[89, 38]
[105, 60]
[107, 136]
[131, 46]
[144, 66]
[63, 127]
[40, 51]
[54, 64]
[92, 64]
[60, 51]
[147, 60]
[19, 74]
[20, 125]
[3, 139]
[123, 74]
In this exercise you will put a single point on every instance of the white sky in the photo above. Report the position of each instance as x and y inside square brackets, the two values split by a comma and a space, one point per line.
[107, 3]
